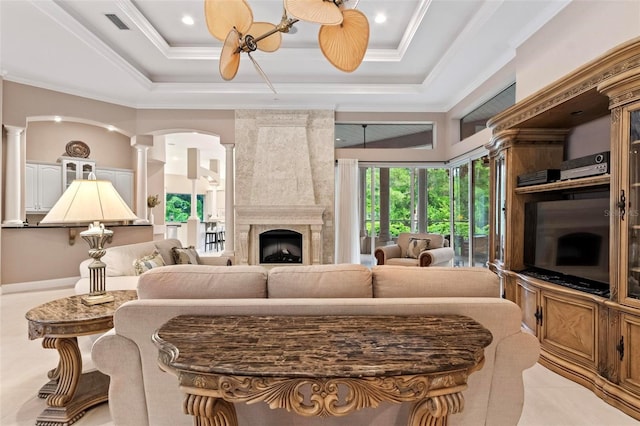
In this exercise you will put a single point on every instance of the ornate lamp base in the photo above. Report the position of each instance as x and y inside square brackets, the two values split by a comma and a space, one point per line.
[96, 236]
[89, 299]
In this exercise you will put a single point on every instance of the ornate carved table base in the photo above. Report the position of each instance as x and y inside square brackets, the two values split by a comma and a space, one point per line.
[322, 365]
[210, 398]
[70, 393]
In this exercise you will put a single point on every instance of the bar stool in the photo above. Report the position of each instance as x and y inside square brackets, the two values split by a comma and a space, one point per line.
[211, 237]
[220, 236]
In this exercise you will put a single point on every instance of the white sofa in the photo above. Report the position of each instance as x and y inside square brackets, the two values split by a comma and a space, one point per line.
[120, 271]
[141, 394]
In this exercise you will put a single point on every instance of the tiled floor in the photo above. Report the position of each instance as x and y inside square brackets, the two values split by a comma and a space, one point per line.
[550, 400]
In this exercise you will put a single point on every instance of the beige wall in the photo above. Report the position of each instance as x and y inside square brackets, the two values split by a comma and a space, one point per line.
[39, 254]
[581, 32]
[46, 142]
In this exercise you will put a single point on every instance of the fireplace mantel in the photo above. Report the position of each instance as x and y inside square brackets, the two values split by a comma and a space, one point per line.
[251, 221]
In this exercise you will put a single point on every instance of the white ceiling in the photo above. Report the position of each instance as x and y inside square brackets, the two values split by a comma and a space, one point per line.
[427, 56]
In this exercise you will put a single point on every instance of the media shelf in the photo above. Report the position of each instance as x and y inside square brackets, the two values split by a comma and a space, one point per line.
[569, 281]
[566, 184]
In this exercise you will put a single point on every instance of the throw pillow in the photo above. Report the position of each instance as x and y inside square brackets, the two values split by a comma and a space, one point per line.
[185, 256]
[150, 261]
[416, 246]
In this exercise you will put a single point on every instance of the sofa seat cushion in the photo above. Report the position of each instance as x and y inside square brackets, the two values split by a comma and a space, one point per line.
[402, 261]
[397, 281]
[320, 281]
[203, 282]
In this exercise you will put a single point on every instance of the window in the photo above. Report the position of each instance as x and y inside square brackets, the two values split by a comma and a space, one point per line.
[476, 120]
[381, 135]
[178, 207]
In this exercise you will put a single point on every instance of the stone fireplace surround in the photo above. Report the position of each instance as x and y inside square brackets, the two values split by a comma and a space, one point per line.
[284, 180]
[253, 221]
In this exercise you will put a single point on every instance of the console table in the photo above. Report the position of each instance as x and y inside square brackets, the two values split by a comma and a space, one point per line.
[275, 359]
[70, 393]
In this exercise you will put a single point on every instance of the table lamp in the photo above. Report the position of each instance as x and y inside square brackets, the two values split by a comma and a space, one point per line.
[95, 201]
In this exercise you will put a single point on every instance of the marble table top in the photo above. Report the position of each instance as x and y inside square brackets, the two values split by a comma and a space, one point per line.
[69, 316]
[321, 346]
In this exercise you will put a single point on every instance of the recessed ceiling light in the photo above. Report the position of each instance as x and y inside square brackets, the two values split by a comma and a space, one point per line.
[380, 18]
[187, 20]
[57, 119]
[110, 128]
[338, 139]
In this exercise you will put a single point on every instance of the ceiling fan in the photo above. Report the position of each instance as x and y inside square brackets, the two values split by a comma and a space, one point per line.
[343, 36]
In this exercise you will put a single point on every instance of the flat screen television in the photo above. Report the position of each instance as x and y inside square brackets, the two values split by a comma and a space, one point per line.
[569, 237]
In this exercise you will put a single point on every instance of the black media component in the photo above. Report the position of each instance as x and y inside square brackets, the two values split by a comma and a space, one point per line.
[590, 165]
[539, 177]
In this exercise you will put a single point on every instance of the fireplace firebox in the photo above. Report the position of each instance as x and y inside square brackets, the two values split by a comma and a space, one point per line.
[280, 246]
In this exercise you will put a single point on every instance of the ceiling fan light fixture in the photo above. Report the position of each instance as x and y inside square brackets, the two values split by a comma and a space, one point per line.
[317, 11]
[223, 15]
[345, 45]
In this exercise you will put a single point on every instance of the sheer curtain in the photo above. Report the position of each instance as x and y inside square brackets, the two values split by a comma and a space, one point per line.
[347, 220]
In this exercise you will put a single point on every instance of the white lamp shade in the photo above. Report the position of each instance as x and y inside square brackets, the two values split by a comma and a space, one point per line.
[89, 201]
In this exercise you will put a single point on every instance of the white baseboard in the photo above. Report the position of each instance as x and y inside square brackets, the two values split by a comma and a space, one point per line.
[56, 284]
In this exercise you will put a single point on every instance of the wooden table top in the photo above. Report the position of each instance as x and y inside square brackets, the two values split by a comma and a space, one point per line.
[321, 346]
[70, 317]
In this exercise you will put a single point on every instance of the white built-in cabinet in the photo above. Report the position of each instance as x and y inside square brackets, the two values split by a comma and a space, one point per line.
[75, 168]
[122, 180]
[42, 186]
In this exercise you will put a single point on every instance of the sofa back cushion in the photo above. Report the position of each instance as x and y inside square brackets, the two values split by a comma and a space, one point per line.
[435, 241]
[319, 281]
[120, 259]
[410, 281]
[203, 282]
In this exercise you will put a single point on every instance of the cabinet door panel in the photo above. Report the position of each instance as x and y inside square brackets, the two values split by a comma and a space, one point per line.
[528, 301]
[50, 187]
[31, 187]
[630, 369]
[570, 326]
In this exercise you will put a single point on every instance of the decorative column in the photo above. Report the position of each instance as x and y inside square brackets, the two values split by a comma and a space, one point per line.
[229, 208]
[13, 185]
[193, 174]
[141, 143]
[422, 200]
[385, 236]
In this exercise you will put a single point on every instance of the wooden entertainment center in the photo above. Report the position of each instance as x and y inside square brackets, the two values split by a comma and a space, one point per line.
[590, 337]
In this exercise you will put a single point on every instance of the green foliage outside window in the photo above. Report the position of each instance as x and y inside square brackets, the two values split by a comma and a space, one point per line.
[178, 207]
[400, 214]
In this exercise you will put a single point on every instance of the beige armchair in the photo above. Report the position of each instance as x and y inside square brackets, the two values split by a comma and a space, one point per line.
[414, 253]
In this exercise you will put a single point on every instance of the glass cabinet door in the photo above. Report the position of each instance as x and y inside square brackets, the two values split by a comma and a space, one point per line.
[499, 207]
[633, 213]
[70, 173]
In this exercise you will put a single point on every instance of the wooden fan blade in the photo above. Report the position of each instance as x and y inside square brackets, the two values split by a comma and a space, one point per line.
[230, 56]
[318, 11]
[262, 73]
[345, 45]
[223, 15]
[270, 43]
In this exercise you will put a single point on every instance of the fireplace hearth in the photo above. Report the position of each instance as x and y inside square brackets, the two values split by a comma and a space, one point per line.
[280, 246]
